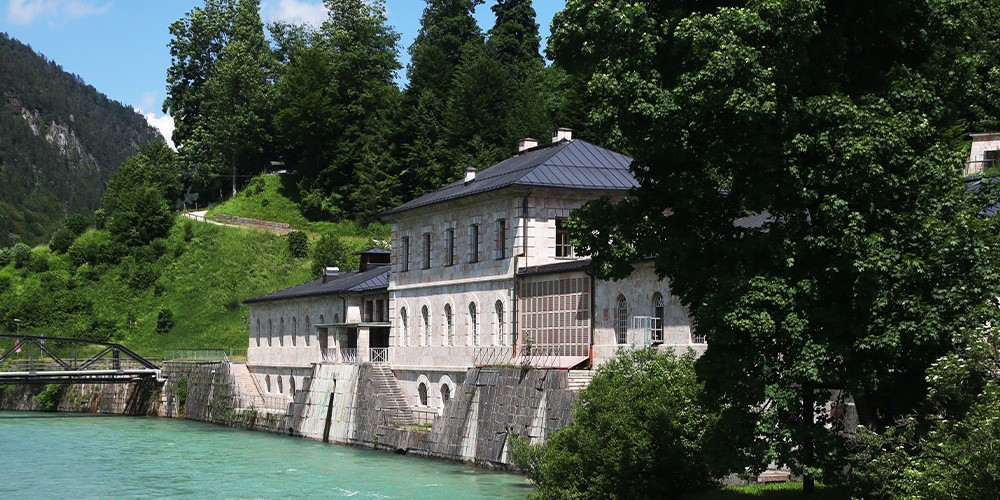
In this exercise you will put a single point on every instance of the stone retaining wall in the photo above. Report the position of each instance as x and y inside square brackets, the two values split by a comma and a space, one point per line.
[341, 403]
[279, 227]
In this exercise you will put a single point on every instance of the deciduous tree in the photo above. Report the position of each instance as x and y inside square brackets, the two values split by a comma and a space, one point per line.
[837, 127]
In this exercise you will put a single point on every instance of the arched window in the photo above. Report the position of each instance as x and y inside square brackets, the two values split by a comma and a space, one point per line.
[622, 323]
[445, 393]
[499, 338]
[267, 383]
[258, 332]
[291, 385]
[322, 321]
[295, 329]
[281, 331]
[449, 323]
[308, 332]
[473, 323]
[281, 387]
[270, 331]
[422, 392]
[656, 332]
[404, 323]
[426, 316]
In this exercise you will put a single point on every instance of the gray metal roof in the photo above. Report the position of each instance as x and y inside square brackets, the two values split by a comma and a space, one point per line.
[556, 267]
[374, 279]
[574, 164]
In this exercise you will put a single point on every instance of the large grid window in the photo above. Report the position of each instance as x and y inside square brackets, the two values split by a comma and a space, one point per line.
[500, 245]
[405, 257]
[474, 243]
[427, 251]
[564, 247]
[449, 241]
[622, 323]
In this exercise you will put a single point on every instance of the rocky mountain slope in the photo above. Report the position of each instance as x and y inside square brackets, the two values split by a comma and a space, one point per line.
[60, 142]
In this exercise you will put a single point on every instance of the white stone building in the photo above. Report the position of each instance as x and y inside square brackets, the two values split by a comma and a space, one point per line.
[482, 273]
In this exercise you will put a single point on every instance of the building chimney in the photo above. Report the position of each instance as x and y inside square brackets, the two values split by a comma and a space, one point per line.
[329, 273]
[562, 134]
[526, 143]
[470, 171]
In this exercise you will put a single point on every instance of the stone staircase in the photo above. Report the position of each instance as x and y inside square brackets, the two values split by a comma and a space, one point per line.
[245, 383]
[395, 401]
[578, 379]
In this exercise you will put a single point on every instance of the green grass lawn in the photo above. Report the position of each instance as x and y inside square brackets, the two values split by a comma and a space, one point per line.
[268, 198]
[779, 491]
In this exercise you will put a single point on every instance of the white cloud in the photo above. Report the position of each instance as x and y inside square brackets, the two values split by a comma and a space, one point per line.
[163, 123]
[29, 11]
[295, 11]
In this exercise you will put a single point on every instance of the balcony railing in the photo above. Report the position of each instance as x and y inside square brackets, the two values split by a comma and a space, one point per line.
[378, 354]
[977, 167]
[349, 354]
[329, 355]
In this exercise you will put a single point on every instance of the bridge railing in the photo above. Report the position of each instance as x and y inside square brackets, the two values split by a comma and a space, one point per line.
[23, 355]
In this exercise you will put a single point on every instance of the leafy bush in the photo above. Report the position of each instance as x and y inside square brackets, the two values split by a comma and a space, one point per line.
[61, 240]
[330, 251]
[20, 254]
[164, 320]
[298, 244]
[94, 247]
[49, 398]
[188, 230]
[182, 390]
[636, 433]
[6, 256]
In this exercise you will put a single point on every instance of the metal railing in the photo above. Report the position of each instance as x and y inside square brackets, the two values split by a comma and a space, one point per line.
[525, 356]
[195, 355]
[260, 402]
[977, 166]
[329, 355]
[378, 354]
[349, 354]
[424, 417]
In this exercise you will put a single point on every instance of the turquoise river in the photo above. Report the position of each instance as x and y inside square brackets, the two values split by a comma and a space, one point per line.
[49, 455]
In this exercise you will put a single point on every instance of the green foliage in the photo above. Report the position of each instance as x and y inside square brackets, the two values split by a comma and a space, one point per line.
[181, 391]
[49, 398]
[20, 255]
[61, 142]
[6, 256]
[164, 320]
[331, 251]
[61, 240]
[841, 125]
[298, 244]
[94, 247]
[636, 433]
[188, 229]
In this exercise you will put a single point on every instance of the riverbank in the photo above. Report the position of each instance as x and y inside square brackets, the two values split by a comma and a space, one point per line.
[339, 403]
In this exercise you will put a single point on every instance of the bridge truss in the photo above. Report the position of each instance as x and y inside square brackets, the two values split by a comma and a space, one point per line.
[30, 359]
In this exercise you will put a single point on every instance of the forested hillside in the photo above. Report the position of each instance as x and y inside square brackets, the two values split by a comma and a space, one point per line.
[60, 142]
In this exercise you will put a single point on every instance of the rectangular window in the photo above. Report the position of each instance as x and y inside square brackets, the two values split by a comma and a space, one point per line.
[427, 250]
[564, 248]
[449, 241]
[500, 245]
[474, 243]
[405, 257]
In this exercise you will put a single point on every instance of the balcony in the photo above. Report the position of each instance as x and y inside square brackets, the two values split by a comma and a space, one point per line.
[977, 167]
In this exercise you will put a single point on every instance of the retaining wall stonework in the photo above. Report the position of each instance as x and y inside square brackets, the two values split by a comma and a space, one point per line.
[342, 403]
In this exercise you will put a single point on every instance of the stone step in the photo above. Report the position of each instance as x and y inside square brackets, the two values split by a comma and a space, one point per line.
[577, 380]
[395, 400]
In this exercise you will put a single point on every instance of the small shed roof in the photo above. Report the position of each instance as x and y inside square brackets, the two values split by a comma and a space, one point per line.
[372, 280]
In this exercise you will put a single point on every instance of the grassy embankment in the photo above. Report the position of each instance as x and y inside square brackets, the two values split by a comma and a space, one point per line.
[772, 491]
[201, 277]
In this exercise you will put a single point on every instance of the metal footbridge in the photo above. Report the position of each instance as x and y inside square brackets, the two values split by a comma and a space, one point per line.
[30, 359]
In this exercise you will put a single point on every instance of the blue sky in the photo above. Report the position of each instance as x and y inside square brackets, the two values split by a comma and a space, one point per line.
[120, 46]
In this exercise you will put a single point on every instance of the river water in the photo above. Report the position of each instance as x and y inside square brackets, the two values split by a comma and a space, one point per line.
[49, 455]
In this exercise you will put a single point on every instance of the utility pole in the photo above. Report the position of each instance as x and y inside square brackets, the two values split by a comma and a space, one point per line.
[17, 325]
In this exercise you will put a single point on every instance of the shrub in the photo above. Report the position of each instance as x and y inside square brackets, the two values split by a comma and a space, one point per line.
[330, 251]
[49, 398]
[164, 320]
[20, 254]
[6, 256]
[188, 230]
[298, 244]
[94, 247]
[637, 433]
[61, 240]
